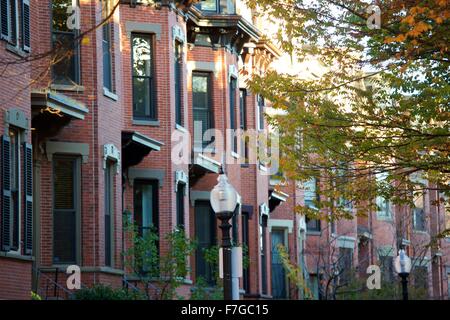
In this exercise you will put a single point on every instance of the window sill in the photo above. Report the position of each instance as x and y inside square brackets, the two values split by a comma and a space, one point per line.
[180, 128]
[16, 50]
[204, 150]
[313, 233]
[235, 155]
[110, 94]
[67, 87]
[15, 256]
[420, 232]
[151, 123]
[384, 218]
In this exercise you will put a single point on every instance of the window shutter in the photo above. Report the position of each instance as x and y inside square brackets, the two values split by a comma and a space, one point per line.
[26, 25]
[6, 194]
[4, 13]
[28, 197]
[13, 22]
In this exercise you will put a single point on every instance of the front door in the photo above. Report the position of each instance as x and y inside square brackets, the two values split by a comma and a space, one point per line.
[278, 273]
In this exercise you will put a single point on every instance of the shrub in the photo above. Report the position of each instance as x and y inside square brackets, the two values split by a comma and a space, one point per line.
[104, 292]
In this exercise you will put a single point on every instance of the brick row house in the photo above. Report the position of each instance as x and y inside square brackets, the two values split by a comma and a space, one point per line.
[109, 130]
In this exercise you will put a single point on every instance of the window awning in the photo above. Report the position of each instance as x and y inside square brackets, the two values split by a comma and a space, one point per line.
[202, 165]
[276, 197]
[136, 146]
[57, 104]
[55, 108]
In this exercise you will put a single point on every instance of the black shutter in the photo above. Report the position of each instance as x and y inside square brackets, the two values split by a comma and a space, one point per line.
[26, 25]
[13, 22]
[6, 194]
[28, 197]
[4, 13]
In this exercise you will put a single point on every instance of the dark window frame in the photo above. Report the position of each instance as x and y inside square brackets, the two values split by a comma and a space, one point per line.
[261, 106]
[212, 241]
[233, 86]
[419, 216]
[263, 254]
[107, 48]
[219, 7]
[245, 229]
[155, 203]
[75, 57]
[180, 198]
[152, 90]
[15, 165]
[109, 189]
[178, 73]
[76, 163]
[243, 126]
[210, 108]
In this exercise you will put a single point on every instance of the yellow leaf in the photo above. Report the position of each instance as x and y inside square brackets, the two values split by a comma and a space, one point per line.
[85, 41]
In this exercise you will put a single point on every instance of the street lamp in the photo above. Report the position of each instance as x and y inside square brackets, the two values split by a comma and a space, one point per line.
[224, 201]
[402, 266]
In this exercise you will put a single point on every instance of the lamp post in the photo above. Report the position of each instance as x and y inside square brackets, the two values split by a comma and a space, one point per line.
[402, 266]
[224, 201]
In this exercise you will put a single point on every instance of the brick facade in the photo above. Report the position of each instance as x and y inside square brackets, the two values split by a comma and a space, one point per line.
[80, 119]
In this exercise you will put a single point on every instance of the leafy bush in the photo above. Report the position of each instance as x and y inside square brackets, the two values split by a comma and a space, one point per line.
[159, 273]
[104, 292]
[202, 291]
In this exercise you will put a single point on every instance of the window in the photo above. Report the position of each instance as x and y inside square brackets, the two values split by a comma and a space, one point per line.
[12, 25]
[146, 211]
[263, 252]
[261, 105]
[65, 42]
[107, 46]
[387, 268]
[180, 204]
[311, 196]
[420, 274]
[315, 287]
[11, 196]
[201, 91]
[109, 213]
[233, 125]
[342, 180]
[65, 210]
[144, 93]
[243, 122]
[205, 233]
[178, 67]
[384, 209]
[218, 6]
[10, 188]
[9, 22]
[246, 243]
[419, 221]
[345, 264]
[15, 187]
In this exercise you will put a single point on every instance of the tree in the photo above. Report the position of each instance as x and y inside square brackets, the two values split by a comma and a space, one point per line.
[378, 104]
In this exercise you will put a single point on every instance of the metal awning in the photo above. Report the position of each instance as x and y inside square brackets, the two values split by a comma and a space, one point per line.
[55, 108]
[54, 103]
[202, 165]
[276, 197]
[136, 146]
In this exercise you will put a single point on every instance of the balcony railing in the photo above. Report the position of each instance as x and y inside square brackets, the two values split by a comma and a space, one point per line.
[217, 6]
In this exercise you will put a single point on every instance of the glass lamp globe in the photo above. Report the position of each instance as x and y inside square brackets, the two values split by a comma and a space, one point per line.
[402, 263]
[223, 196]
